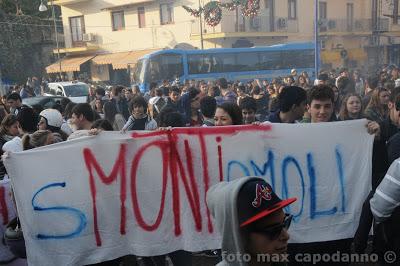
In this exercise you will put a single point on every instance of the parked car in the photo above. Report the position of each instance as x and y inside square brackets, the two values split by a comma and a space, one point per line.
[44, 101]
[75, 91]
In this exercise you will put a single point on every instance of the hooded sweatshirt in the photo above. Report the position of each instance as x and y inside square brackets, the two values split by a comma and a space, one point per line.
[222, 203]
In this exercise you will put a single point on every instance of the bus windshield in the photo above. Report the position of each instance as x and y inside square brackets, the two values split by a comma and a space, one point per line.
[138, 74]
[165, 66]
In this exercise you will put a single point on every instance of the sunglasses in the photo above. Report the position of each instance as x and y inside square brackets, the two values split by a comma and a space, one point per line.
[275, 231]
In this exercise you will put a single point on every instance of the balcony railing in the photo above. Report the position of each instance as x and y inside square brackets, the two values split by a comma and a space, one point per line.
[262, 24]
[356, 25]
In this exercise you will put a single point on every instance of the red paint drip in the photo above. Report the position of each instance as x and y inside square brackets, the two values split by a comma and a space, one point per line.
[119, 167]
[194, 199]
[221, 171]
[175, 184]
[163, 146]
[206, 178]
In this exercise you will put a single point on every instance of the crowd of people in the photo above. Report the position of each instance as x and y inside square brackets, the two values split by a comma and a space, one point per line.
[333, 96]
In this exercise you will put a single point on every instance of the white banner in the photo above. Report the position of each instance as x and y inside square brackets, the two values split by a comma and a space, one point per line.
[102, 197]
[7, 213]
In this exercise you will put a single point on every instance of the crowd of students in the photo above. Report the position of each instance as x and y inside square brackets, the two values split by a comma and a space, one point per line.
[294, 99]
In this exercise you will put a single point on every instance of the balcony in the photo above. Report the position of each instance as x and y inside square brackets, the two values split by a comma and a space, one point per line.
[349, 27]
[233, 27]
[87, 44]
[85, 49]
[67, 2]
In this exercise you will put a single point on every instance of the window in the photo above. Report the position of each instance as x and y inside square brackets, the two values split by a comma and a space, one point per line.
[247, 61]
[298, 59]
[166, 13]
[166, 66]
[141, 17]
[202, 64]
[350, 16]
[270, 60]
[323, 10]
[118, 20]
[77, 25]
[292, 13]
[223, 62]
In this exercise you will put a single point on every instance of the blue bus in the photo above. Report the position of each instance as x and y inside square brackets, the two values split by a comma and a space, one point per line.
[231, 63]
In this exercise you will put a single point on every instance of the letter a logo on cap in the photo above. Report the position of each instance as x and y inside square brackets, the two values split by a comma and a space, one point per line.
[261, 193]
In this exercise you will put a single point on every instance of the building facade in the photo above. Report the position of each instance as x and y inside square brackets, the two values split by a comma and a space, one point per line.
[110, 35]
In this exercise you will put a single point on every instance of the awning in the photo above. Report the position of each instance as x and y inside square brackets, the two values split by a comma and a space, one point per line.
[121, 60]
[68, 64]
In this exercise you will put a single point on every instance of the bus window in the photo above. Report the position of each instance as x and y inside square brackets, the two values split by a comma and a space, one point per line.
[166, 66]
[247, 61]
[138, 74]
[154, 69]
[271, 61]
[195, 62]
[298, 59]
[204, 64]
[227, 62]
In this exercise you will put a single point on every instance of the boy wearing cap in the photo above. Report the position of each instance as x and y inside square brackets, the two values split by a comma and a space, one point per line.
[249, 216]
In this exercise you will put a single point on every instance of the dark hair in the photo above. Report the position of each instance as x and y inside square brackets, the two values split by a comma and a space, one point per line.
[64, 102]
[289, 96]
[222, 83]
[373, 82]
[256, 90]
[159, 91]
[68, 110]
[248, 103]
[321, 93]
[103, 124]
[8, 121]
[215, 90]
[342, 83]
[208, 105]
[193, 92]
[37, 108]
[110, 110]
[174, 89]
[323, 77]
[100, 91]
[168, 117]
[241, 88]
[153, 85]
[28, 120]
[137, 102]
[14, 96]
[117, 90]
[397, 102]
[233, 111]
[393, 94]
[172, 119]
[84, 109]
[165, 91]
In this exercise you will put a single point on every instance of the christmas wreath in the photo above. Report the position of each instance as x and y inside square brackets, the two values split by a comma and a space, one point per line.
[212, 13]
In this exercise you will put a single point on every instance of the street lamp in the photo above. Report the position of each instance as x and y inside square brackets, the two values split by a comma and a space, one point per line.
[316, 38]
[201, 28]
[43, 8]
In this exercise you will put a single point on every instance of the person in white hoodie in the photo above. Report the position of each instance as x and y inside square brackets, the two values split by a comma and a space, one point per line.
[250, 219]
